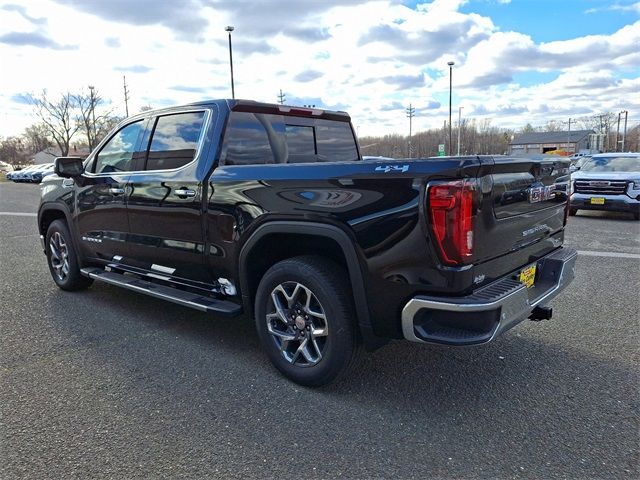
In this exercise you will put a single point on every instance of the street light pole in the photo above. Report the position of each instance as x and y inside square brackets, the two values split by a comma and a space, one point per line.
[459, 127]
[229, 29]
[451, 64]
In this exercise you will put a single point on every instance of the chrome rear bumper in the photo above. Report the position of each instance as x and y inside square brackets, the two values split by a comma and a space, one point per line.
[489, 311]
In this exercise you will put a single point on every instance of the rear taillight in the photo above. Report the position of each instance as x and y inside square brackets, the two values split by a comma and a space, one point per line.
[450, 206]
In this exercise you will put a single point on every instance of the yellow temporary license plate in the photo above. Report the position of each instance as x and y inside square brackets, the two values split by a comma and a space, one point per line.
[528, 276]
[597, 201]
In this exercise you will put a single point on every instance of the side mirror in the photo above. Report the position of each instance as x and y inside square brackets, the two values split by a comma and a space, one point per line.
[68, 167]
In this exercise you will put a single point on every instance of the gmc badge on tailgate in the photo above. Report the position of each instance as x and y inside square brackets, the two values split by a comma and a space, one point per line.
[540, 194]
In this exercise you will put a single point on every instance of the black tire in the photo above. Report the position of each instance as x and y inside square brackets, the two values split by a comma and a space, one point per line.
[636, 215]
[572, 212]
[334, 348]
[68, 278]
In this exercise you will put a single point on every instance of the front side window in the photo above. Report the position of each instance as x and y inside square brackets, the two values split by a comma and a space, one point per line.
[117, 154]
[175, 140]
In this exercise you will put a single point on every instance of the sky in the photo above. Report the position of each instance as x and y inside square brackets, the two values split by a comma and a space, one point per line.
[516, 61]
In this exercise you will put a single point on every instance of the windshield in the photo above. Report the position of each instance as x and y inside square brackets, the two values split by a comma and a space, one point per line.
[612, 164]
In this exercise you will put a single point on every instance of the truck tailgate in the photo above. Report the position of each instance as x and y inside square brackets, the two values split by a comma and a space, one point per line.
[520, 216]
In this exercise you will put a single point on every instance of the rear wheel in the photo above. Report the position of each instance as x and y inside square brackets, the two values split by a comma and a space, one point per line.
[305, 320]
[63, 258]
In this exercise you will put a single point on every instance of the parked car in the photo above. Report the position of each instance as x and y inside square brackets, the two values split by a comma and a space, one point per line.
[233, 206]
[607, 181]
[24, 175]
[37, 174]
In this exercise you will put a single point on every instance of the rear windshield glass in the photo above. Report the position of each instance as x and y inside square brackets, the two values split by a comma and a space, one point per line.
[612, 164]
[259, 138]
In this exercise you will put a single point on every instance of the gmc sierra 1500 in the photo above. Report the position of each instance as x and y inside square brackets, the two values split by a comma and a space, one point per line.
[236, 206]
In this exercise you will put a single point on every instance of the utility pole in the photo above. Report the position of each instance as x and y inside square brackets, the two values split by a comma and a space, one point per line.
[618, 132]
[126, 96]
[410, 114]
[93, 115]
[281, 98]
[624, 134]
[569, 138]
[604, 131]
[459, 126]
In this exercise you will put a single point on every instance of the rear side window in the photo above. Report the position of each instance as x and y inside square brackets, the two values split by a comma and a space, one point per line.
[174, 141]
[259, 138]
[117, 154]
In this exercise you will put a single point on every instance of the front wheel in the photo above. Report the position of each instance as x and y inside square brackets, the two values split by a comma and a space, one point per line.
[572, 212]
[63, 258]
[305, 319]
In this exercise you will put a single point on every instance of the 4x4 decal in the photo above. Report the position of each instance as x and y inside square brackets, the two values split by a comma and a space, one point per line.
[393, 168]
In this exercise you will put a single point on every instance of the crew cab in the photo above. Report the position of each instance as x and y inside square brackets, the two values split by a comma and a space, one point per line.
[234, 206]
[609, 182]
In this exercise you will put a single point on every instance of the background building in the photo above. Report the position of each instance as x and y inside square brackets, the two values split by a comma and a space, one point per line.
[543, 142]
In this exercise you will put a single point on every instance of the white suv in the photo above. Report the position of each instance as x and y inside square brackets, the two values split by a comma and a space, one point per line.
[608, 181]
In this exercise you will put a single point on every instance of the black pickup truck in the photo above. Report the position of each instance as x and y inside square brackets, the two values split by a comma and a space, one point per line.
[236, 206]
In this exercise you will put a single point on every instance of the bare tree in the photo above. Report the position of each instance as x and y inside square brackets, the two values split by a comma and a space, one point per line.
[36, 138]
[12, 152]
[476, 137]
[86, 104]
[553, 126]
[94, 125]
[58, 116]
[107, 124]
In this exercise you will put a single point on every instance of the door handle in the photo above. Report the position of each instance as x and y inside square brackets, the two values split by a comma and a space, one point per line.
[116, 191]
[185, 192]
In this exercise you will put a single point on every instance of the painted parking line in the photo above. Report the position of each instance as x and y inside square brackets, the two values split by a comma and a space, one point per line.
[19, 214]
[592, 253]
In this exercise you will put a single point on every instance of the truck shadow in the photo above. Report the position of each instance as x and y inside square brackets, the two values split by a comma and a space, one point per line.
[516, 367]
[525, 398]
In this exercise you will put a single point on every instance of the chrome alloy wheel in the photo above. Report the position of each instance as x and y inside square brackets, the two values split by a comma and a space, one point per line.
[297, 324]
[59, 257]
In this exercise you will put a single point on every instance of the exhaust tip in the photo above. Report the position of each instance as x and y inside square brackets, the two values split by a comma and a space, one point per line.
[541, 313]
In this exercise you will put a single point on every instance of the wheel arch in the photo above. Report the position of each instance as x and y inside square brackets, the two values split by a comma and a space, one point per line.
[50, 212]
[286, 239]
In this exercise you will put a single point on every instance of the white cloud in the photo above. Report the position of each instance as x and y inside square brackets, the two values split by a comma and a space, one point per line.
[365, 57]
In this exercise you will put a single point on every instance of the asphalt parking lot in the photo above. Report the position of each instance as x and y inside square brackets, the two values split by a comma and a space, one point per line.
[110, 384]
